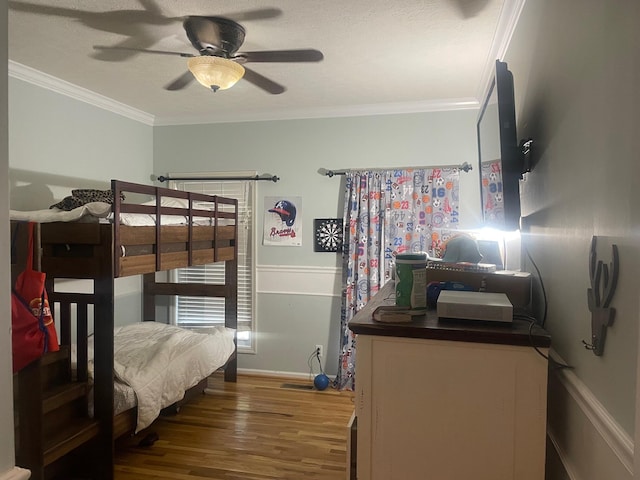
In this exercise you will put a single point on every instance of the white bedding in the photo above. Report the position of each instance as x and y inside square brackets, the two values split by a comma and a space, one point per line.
[89, 211]
[141, 219]
[95, 211]
[124, 398]
[160, 362]
[155, 363]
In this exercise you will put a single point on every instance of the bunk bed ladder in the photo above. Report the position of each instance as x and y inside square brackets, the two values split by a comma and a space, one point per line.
[53, 425]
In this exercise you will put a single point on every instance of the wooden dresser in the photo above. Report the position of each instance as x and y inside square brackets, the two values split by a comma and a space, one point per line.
[449, 400]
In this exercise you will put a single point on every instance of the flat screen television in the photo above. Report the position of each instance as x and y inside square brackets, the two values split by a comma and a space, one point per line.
[501, 158]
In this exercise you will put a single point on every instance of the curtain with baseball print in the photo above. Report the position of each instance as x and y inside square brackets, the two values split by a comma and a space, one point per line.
[387, 212]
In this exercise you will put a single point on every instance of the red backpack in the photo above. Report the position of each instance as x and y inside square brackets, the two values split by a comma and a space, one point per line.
[33, 332]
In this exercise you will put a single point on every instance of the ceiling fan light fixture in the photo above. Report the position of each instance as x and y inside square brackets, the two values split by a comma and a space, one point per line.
[216, 73]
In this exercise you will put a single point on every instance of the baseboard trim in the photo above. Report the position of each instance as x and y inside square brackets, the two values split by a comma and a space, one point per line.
[620, 442]
[273, 373]
[16, 473]
[278, 374]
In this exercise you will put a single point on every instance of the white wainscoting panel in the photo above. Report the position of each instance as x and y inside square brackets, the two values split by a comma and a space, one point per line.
[589, 442]
[288, 280]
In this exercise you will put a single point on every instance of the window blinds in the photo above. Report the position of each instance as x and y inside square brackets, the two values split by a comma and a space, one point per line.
[203, 311]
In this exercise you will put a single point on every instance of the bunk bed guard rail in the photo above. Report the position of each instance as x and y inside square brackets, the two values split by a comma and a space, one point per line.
[194, 229]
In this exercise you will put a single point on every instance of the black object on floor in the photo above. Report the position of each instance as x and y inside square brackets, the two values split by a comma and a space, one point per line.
[149, 440]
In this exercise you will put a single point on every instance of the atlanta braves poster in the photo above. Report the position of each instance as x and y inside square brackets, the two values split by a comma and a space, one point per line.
[283, 221]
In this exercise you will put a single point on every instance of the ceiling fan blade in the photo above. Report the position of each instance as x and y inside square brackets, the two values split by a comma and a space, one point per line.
[302, 55]
[263, 82]
[179, 83]
[257, 14]
[115, 51]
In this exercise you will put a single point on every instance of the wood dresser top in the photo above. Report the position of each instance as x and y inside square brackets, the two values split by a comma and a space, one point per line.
[428, 326]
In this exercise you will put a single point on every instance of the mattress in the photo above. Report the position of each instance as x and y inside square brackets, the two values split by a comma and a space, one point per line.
[101, 212]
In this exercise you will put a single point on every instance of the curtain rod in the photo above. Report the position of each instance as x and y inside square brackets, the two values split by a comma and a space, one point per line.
[264, 176]
[466, 166]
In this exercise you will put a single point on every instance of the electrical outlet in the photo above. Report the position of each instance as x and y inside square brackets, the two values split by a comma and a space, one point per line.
[319, 350]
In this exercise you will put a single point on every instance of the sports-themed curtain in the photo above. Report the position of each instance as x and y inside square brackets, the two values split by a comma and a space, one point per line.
[387, 212]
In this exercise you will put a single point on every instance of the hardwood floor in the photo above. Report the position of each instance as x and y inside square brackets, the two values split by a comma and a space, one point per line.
[251, 430]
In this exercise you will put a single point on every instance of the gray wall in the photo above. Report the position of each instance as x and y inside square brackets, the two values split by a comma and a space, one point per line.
[577, 72]
[292, 321]
[57, 143]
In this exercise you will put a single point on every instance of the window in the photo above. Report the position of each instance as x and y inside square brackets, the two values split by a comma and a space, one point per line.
[202, 311]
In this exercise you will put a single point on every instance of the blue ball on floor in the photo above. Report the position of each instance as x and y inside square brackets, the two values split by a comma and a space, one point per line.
[321, 381]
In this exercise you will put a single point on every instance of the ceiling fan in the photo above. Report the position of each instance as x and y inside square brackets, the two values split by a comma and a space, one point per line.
[218, 65]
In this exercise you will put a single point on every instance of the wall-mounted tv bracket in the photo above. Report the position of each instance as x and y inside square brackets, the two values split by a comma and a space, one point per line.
[526, 146]
[604, 279]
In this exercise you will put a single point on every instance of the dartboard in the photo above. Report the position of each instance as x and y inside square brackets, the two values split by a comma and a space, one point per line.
[328, 235]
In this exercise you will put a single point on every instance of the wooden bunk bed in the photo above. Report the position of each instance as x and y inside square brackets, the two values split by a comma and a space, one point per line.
[101, 252]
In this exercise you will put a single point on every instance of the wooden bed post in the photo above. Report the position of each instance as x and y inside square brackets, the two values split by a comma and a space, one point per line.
[148, 297]
[103, 327]
[231, 313]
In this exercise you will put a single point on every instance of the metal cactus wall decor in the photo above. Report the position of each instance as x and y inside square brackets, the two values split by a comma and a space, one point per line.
[604, 279]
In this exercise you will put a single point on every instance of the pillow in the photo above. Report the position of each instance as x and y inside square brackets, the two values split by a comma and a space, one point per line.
[89, 195]
[68, 203]
[80, 197]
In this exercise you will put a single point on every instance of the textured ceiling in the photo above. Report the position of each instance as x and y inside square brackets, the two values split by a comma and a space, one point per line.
[379, 56]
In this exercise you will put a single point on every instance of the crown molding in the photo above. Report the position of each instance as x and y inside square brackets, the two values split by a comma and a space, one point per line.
[40, 79]
[507, 22]
[324, 112]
